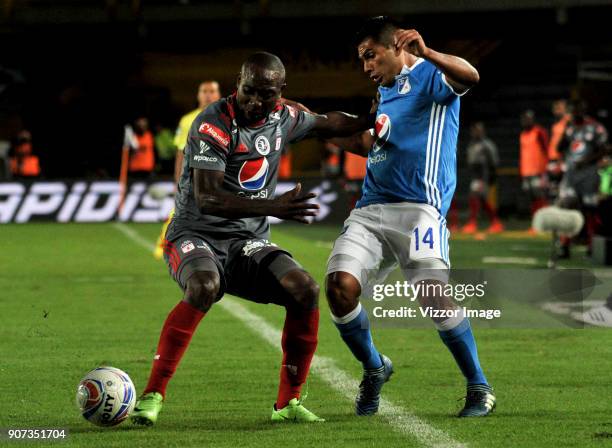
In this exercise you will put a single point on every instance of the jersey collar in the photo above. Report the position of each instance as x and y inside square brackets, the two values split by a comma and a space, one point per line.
[403, 72]
[405, 69]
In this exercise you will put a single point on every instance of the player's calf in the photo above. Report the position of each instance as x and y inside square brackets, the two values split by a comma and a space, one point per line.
[351, 319]
[343, 291]
[456, 333]
[299, 339]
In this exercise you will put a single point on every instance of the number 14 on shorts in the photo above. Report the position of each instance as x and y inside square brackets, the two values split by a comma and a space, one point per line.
[424, 243]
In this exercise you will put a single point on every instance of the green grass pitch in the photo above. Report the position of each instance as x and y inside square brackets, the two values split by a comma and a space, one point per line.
[76, 296]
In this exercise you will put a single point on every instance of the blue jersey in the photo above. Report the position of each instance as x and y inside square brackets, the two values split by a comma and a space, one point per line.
[413, 158]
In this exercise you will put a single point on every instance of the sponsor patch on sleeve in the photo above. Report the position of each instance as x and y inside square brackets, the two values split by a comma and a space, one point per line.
[217, 134]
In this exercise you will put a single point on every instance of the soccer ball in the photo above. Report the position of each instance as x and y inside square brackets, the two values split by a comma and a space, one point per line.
[106, 396]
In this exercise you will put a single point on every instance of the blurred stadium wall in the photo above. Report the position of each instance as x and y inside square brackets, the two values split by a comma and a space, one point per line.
[75, 71]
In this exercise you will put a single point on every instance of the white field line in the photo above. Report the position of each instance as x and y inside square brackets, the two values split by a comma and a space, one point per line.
[510, 260]
[400, 419]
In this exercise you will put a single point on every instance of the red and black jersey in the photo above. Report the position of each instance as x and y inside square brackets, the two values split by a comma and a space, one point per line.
[580, 140]
[249, 157]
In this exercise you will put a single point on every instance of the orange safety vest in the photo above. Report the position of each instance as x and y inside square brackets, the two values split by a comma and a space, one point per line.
[354, 166]
[284, 169]
[27, 166]
[144, 157]
[534, 151]
[556, 134]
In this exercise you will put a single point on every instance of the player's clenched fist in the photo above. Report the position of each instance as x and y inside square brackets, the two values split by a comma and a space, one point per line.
[410, 41]
[292, 205]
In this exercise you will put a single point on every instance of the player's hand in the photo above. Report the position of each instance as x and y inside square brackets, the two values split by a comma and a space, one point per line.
[295, 206]
[411, 42]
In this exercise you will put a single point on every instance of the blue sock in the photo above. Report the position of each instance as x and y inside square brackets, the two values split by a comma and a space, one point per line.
[355, 331]
[460, 341]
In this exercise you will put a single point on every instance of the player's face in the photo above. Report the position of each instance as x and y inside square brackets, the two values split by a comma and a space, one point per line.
[380, 63]
[208, 93]
[258, 94]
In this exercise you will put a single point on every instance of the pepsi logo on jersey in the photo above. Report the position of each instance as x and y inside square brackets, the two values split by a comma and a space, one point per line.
[253, 173]
[382, 131]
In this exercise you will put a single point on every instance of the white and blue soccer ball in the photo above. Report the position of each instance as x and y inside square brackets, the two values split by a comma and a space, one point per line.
[106, 396]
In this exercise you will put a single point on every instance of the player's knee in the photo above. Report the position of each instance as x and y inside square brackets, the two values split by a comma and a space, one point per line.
[202, 289]
[303, 289]
[342, 291]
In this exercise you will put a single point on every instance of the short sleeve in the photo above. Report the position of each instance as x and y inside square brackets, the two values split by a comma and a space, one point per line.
[439, 88]
[207, 145]
[300, 124]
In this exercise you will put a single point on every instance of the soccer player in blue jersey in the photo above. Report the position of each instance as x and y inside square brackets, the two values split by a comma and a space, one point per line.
[409, 184]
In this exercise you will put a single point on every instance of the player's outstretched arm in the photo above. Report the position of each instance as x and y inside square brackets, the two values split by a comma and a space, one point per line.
[459, 73]
[341, 124]
[213, 200]
[359, 143]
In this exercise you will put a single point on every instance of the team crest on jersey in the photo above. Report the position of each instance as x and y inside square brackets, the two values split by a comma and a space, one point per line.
[403, 85]
[262, 145]
[253, 174]
[382, 130]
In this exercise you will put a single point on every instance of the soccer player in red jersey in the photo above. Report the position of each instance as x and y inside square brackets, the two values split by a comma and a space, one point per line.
[218, 240]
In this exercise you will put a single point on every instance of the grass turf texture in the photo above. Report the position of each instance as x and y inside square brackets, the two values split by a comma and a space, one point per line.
[77, 296]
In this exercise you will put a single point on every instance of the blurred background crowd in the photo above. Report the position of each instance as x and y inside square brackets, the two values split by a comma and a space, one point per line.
[82, 79]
